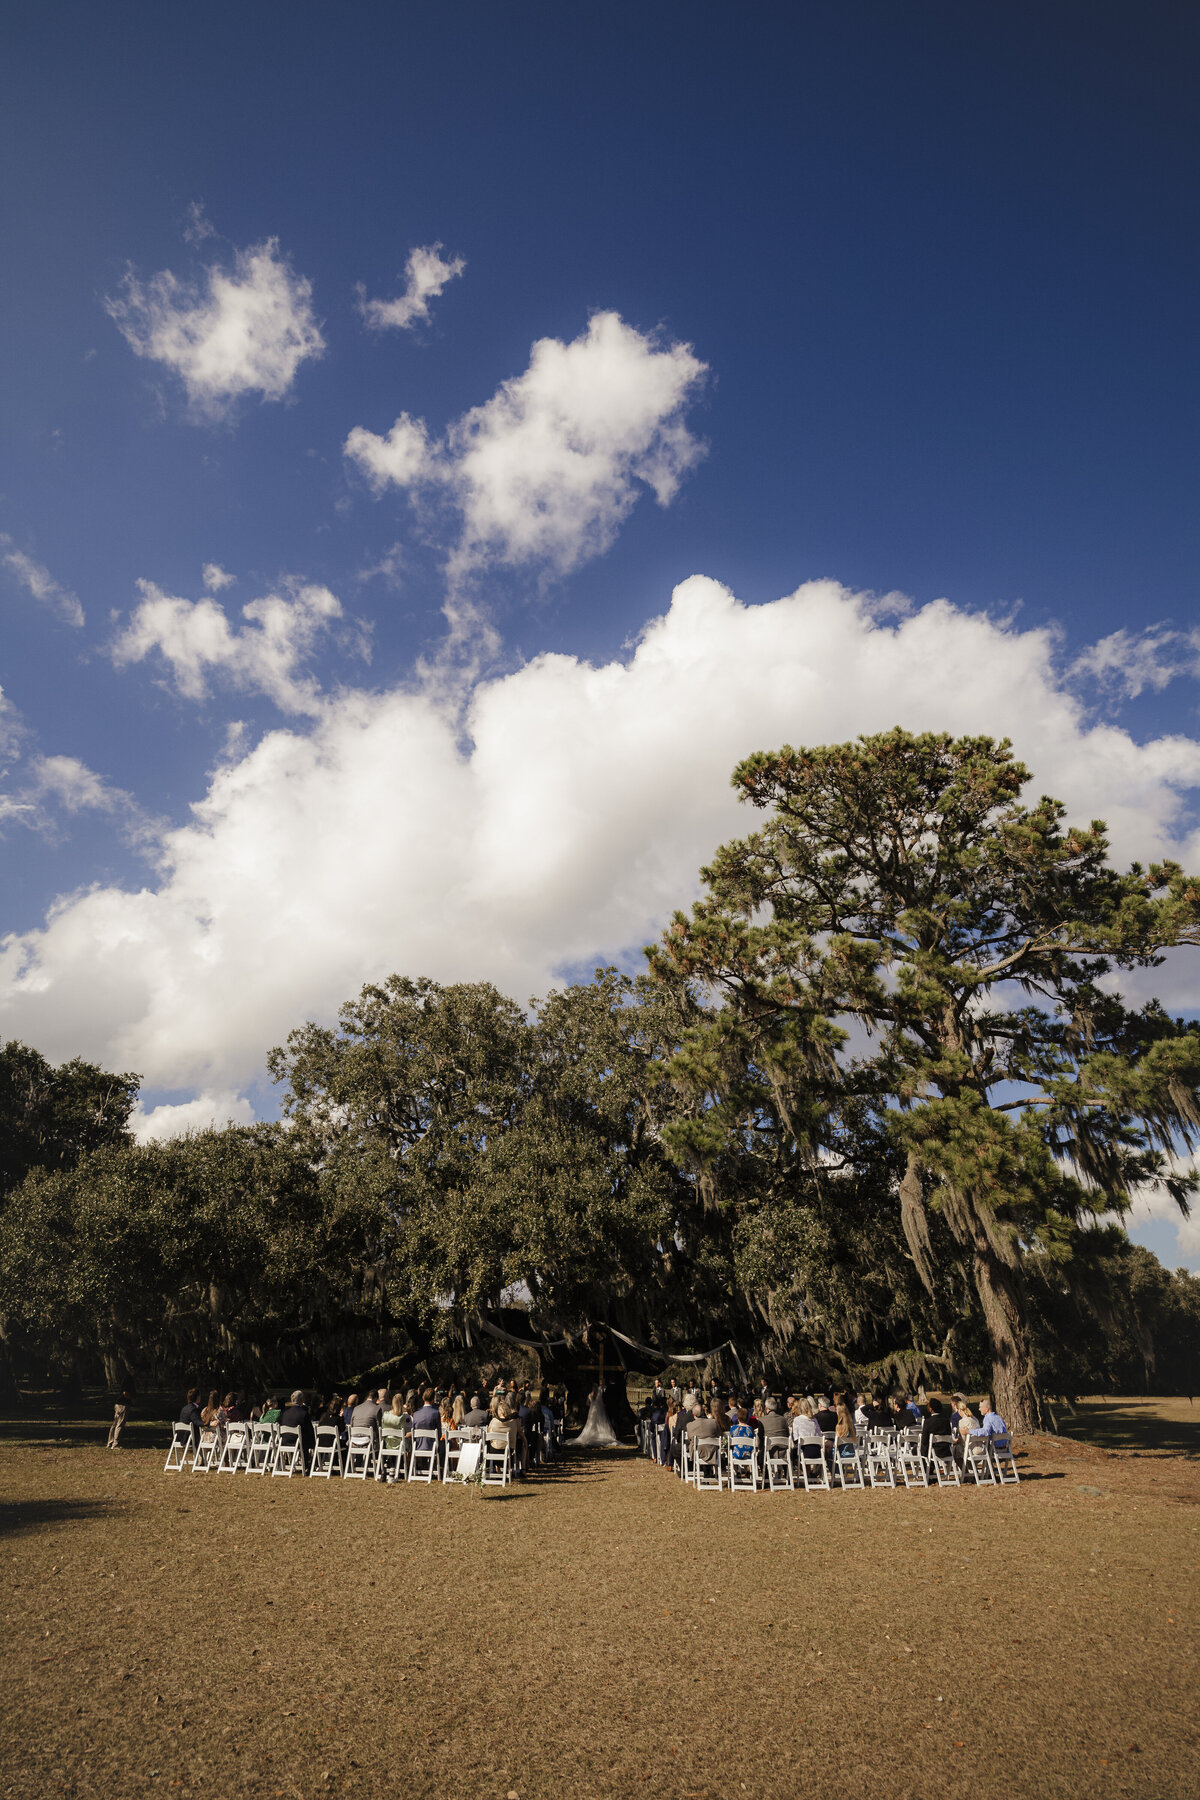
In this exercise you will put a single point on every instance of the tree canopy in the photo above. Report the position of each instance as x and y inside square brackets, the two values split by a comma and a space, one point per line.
[905, 954]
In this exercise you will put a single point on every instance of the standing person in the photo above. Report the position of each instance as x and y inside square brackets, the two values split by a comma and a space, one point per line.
[120, 1414]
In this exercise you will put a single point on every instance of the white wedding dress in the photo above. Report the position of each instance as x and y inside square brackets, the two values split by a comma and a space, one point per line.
[598, 1433]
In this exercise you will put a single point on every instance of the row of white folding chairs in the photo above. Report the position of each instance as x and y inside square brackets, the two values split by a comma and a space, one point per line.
[258, 1449]
[825, 1462]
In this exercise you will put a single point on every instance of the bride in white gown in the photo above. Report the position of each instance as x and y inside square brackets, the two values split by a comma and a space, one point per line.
[598, 1433]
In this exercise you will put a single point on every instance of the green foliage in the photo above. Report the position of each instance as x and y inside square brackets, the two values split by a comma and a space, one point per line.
[50, 1117]
[213, 1252]
[905, 951]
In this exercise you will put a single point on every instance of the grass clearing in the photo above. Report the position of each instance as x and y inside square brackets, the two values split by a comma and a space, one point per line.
[598, 1631]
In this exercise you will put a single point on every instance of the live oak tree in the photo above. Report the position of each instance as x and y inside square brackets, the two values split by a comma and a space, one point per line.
[905, 939]
[508, 1154]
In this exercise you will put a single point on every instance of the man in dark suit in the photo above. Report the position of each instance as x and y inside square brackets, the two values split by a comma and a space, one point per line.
[937, 1424]
[191, 1414]
[427, 1417]
[478, 1414]
[825, 1416]
[296, 1413]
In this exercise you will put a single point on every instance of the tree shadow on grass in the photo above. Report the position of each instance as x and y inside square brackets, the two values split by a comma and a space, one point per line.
[1120, 1425]
[20, 1516]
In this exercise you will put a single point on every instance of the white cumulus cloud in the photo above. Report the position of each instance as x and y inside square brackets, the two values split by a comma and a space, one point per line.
[170, 1121]
[197, 642]
[545, 472]
[39, 582]
[216, 578]
[240, 330]
[427, 273]
[554, 822]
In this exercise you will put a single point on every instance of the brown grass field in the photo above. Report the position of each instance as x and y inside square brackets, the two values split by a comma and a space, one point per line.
[600, 1630]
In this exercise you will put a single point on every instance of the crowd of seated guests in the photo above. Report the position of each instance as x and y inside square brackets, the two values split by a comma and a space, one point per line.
[668, 1416]
[524, 1418]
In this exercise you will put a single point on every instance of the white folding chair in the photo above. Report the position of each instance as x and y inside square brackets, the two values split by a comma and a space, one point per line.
[327, 1454]
[261, 1453]
[777, 1457]
[813, 1468]
[710, 1463]
[289, 1452]
[497, 1471]
[847, 1465]
[234, 1450]
[393, 1454]
[742, 1456]
[877, 1456]
[455, 1442]
[909, 1461]
[977, 1462]
[360, 1453]
[206, 1451]
[181, 1448]
[1003, 1461]
[941, 1461]
[425, 1461]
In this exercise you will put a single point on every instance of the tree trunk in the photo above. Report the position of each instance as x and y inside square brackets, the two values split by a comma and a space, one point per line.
[1015, 1390]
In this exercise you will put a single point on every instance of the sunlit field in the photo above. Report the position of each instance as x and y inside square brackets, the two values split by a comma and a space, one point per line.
[600, 1630]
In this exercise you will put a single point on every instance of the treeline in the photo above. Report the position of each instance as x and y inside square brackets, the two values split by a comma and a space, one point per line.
[445, 1155]
[870, 1114]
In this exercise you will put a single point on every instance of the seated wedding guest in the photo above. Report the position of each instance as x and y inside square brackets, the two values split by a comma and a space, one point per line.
[991, 1424]
[844, 1434]
[804, 1426]
[879, 1415]
[718, 1414]
[367, 1415]
[270, 1412]
[477, 1413]
[446, 1410]
[901, 1419]
[913, 1409]
[332, 1415]
[505, 1428]
[427, 1417]
[296, 1413]
[741, 1434]
[458, 1410]
[191, 1414]
[935, 1425]
[860, 1412]
[348, 1412]
[825, 1415]
[701, 1424]
[774, 1423]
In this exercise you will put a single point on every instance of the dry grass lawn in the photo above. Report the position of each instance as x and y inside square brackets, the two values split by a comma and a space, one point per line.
[599, 1631]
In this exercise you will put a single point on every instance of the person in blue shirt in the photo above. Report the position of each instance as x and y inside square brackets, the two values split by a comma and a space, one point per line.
[741, 1433]
[991, 1424]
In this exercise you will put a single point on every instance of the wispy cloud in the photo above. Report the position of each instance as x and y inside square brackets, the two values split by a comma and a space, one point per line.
[238, 331]
[216, 578]
[38, 581]
[427, 273]
[266, 655]
[1132, 661]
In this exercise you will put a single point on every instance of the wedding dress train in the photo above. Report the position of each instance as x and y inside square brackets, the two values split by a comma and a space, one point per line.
[598, 1433]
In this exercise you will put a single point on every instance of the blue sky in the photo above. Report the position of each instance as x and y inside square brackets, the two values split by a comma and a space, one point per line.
[900, 299]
